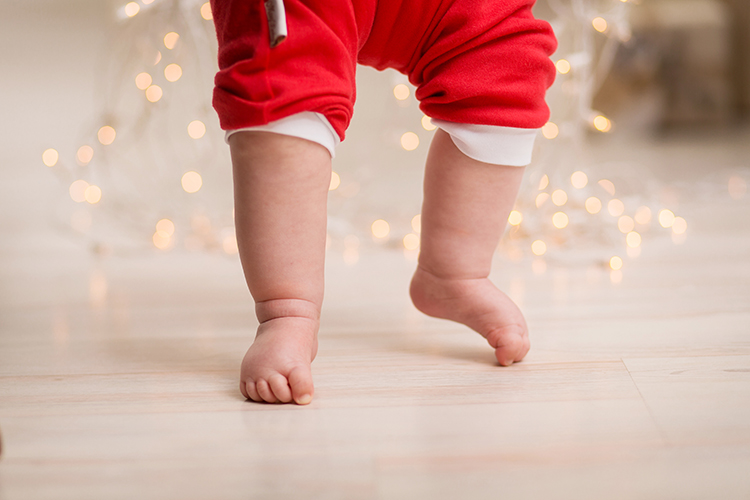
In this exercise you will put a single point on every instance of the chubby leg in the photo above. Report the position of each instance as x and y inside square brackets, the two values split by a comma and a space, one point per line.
[280, 189]
[466, 206]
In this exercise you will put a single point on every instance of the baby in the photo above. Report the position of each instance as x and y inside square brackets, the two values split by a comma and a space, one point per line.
[481, 69]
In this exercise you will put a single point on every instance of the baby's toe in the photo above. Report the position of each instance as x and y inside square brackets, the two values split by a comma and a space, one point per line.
[300, 380]
[264, 390]
[510, 344]
[280, 388]
[250, 391]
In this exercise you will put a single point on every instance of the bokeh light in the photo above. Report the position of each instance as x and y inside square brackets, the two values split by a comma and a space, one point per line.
[560, 220]
[410, 141]
[643, 215]
[602, 124]
[166, 226]
[401, 92]
[679, 225]
[666, 218]
[615, 207]
[173, 72]
[154, 93]
[515, 218]
[593, 205]
[196, 129]
[563, 66]
[541, 199]
[92, 194]
[106, 135]
[559, 197]
[599, 24]
[543, 182]
[50, 157]
[625, 224]
[538, 248]
[416, 223]
[427, 123]
[411, 241]
[633, 239]
[192, 182]
[170, 40]
[335, 181]
[615, 263]
[579, 180]
[206, 12]
[380, 228]
[131, 9]
[608, 186]
[84, 155]
[143, 80]
[550, 130]
[77, 190]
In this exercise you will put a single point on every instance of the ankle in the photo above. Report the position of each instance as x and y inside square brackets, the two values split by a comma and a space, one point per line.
[268, 310]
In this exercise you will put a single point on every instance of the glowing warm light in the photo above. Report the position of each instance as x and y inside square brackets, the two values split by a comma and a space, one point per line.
[541, 198]
[593, 205]
[416, 223]
[161, 240]
[335, 181]
[154, 93]
[229, 244]
[615, 207]
[77, 190]
[380, 228]
[157, 59]
[633, 239]
[550, 130]
[92, 194]
[608, 186]
[538, 248]
[515, 218]
[192, 182]
[560, 220]
[679, 225]
[85, 154]
[170, 40]
[196, 129]
[633, 252]
[643, 215]
[50, 157]
[543, 182]
[563, 66]
[615, 263]
[143, 80]
[147, 2]
[625, 224]
[602, 124]
[559, 197]
[409, 141]
[737, 187]
[131, 9]
[427, 123]
[401, 92]
[106, 135]
[411, 241]
[666, 218]
[206, 12]
[615, 277]
[579, 180]
[173, 72]
[599, 24]
[166, 226]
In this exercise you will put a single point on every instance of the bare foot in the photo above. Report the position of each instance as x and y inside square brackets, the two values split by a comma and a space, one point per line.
[478, 304]
[276, 368]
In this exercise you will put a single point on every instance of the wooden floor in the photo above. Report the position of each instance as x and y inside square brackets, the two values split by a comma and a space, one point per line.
[118, 376]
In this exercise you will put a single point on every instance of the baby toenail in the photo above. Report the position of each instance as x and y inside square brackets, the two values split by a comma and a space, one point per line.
[304, 399]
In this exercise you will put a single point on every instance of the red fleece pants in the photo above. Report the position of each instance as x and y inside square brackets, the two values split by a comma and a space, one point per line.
[483, 62]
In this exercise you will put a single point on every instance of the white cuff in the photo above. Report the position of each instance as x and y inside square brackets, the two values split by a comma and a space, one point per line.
[492, 144]
[307, 125]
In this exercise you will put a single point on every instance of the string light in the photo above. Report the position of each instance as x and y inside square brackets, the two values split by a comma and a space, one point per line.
[563, 66]
[106, 135]
[515, 218]
[538, 248]
[380, 228]
[615, 207]
[410, 141]
[143, 80]
[206, 12]
[401, 92]
[173, 72]
[599, 24]
[625, 224]
[50, 157]
[131, 9]
[666, 218]
[550, 130]
[643, 215]
[335, 181]
[170, 40]
[427, 123]
[579, 180]
[154, 93]
[560, 220]
[593, 205]
[411, 241]
[77, 190]
[416, 223]
[92, 194]
[559, 197]
[615, 263]
[196, 129]
[192, 182]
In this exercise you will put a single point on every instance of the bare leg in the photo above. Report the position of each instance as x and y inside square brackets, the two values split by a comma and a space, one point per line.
[466, 206]
[281, 189]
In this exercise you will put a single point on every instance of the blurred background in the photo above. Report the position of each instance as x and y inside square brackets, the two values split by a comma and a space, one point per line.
[111, 147]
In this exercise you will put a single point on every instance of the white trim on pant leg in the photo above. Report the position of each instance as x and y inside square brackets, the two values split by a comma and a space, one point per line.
[492, 144]
[307, 125]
